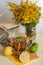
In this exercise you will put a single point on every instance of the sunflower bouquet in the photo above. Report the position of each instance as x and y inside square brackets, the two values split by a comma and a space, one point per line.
[27, 14]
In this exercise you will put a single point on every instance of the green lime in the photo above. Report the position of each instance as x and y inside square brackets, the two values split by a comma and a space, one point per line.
[35, 44]
[33, 49]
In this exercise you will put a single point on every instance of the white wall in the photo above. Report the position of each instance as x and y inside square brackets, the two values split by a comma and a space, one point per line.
[7, 14]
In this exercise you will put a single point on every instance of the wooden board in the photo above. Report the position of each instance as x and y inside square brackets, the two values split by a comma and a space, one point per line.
[17, 62]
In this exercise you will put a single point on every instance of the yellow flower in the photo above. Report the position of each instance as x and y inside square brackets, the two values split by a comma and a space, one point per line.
[26, 12]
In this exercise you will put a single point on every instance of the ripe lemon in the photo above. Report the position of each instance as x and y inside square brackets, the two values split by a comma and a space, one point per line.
[8, 51]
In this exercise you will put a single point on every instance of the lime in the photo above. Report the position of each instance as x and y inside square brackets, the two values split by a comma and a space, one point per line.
[33, 49]
[35, 44]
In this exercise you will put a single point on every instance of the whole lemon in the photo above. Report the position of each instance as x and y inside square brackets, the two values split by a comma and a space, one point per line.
[8, 51]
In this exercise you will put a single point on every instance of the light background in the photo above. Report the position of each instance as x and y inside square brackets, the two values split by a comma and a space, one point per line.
[6, 17]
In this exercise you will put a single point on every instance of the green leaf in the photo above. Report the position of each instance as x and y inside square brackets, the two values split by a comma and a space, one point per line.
[20, 39]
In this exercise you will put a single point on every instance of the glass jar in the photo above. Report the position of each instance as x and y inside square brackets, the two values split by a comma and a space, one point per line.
[30, 30]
